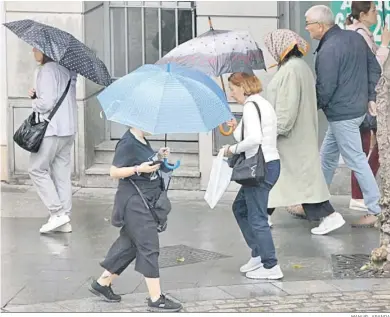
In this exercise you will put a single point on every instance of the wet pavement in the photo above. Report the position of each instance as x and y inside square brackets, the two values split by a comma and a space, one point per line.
[58, 267]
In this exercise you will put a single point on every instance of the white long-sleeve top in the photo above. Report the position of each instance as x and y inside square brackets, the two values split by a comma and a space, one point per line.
[51, 82]
[256, 134]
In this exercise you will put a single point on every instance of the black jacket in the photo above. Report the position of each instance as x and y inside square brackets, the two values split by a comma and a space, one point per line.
[347, 73]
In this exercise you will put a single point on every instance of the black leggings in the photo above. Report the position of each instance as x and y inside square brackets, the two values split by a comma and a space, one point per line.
[313, 211]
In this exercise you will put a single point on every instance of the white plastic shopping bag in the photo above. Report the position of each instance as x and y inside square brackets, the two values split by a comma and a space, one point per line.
[219, 180]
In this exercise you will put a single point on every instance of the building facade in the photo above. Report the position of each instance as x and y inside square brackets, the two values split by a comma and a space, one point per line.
[126, 35]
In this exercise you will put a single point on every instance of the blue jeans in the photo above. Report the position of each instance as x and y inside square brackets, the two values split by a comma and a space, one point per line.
[344, 137]
[250, 210]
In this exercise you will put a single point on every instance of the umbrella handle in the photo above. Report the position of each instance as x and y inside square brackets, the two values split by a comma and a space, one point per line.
[171, 166]
[225, 133]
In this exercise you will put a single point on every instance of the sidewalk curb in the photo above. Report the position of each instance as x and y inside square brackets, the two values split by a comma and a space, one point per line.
[298, 296]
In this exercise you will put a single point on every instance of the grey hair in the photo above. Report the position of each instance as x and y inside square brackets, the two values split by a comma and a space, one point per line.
[321, 14]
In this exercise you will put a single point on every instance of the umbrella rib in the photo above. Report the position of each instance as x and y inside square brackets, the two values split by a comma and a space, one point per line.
[200, 83]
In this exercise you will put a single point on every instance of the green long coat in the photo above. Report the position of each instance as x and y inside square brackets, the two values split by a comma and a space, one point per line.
[292, 93]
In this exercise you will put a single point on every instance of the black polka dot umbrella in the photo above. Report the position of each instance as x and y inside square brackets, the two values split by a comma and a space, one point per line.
[218, 52]
[63, 48]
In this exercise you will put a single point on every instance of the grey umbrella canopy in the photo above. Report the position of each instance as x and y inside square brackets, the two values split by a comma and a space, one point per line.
[63, 48]
[218, 52]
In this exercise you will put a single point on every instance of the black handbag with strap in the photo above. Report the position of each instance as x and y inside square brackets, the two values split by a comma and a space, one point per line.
[30, 134]
[251, 171]
[159, 210]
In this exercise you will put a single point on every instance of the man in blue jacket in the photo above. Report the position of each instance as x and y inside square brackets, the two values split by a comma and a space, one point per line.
[347, 73]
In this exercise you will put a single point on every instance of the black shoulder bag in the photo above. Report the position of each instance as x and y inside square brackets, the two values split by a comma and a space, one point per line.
[160, 210]
[30, 134]
[251, 171]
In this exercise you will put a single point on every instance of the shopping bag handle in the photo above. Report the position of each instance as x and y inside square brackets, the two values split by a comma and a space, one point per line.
[171, 166]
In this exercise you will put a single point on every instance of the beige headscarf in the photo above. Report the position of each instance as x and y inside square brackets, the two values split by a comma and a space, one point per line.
[280, 42]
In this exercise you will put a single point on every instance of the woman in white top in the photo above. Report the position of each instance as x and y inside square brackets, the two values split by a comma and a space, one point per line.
[250, 205]
[50, 169]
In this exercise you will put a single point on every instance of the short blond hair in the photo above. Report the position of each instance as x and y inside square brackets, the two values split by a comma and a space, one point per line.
[250, 83]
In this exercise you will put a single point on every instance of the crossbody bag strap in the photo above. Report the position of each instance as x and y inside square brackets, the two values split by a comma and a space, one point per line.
[259, 113]
[261, 126]
[145, 202]
[59, 102]
[242, 124]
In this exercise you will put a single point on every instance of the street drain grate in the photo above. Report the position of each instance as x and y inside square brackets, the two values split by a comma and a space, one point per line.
[347, 266]
[178, 255]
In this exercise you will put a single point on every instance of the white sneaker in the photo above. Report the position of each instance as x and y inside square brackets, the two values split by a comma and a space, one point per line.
[358, 204]
[270, 222]
[262, 273]
[329, 224]
[253, 264]
[54, 222]
[66, 228]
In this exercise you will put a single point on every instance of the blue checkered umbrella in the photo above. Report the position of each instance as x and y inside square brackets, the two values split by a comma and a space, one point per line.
[63, 48]
[166, 99]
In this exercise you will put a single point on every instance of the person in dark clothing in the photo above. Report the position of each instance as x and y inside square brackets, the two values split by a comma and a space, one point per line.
[347, 74]
[140, 189]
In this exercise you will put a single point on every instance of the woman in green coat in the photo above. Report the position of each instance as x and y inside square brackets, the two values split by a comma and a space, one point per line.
[292, 93]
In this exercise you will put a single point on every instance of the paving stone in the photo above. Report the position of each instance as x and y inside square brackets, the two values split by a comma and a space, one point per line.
[376, 301]
[230, 310]
[91, 305]
[363, 284]
[268, 298]
[263, 304]
[256, 309]
[322, 295]
[370, 309]
[37, 308]
[328, 299]
[381, 292]
[252, 290]
[357, 297]
[299, 296]
[305, 287]
[200, 309]
[210, 302]
[287, 306]
[293, 301]
[342, 302]
[241, 300]
[282, 311]
[381, 296]
[341, 308]
[315, 304]
[308, 309]
[199, 294]
[140, 309]
[228, 306]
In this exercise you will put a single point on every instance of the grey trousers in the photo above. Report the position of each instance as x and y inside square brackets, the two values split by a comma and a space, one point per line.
[50, 171]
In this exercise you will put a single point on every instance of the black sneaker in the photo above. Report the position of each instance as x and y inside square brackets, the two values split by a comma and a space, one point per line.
[104, 291]
[164, 304]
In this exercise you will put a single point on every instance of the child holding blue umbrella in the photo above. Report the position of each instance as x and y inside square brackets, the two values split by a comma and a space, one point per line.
[140, 209]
